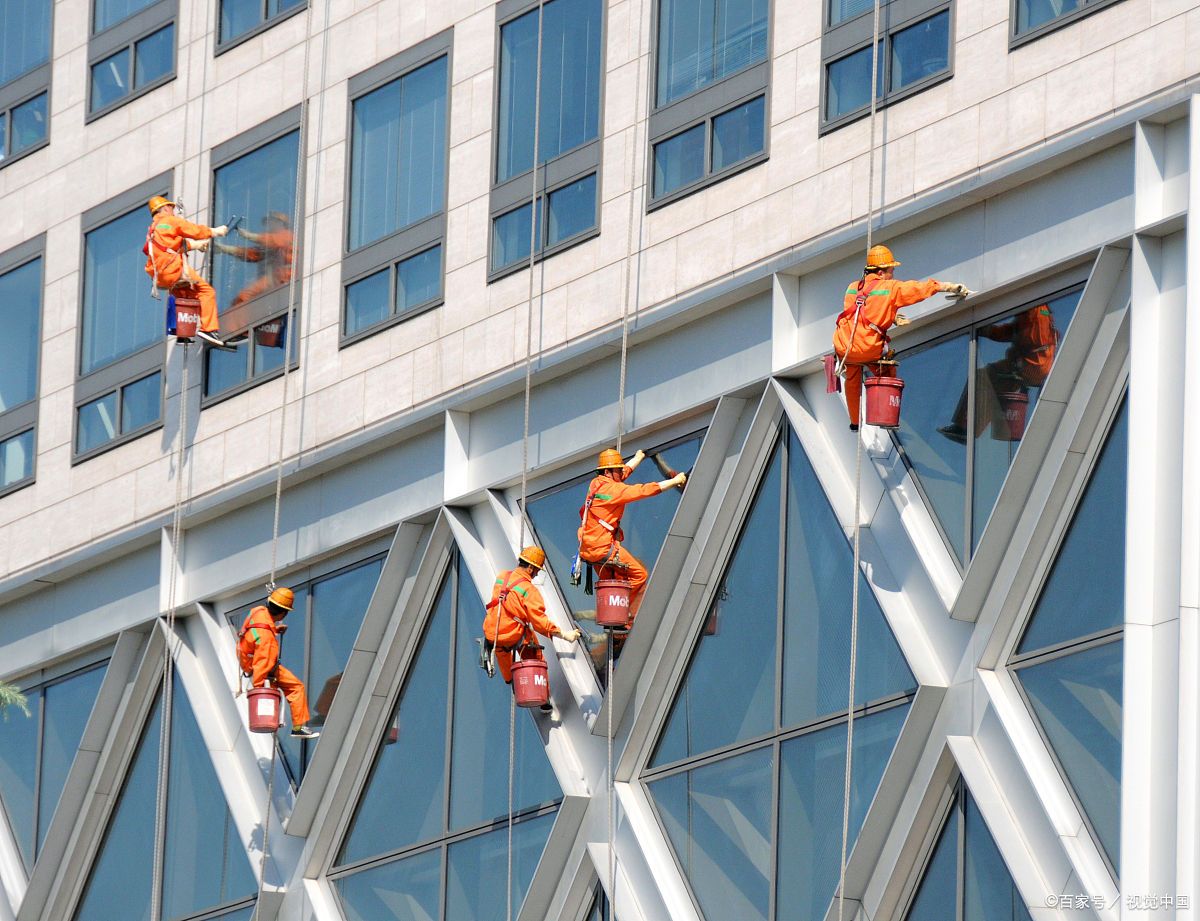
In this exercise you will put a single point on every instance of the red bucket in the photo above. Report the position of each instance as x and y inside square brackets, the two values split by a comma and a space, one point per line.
[187, 318]
[531, 682]
[1014, 407]
[265, 706]
[612, 602]
[268, 335]
[883, 401]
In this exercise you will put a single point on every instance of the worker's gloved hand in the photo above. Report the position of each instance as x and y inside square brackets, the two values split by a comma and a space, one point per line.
[957, 290]
[572, 635]
[679, 479]
[281, 629]
[638, 458]
[220, 231]
[197, 244]
[902, 320]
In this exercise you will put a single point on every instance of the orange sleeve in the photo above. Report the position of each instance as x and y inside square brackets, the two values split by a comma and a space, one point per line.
[266, 657]
[906, 293]
[535, 612]
[624, 493]
[190, 231]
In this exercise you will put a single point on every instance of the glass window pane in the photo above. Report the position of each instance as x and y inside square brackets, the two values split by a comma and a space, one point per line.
[239, 16]
[518, 81]
[848, 82]
[739, 133]
[119, 315]
[1033, 13]
[339, 605]
[570, 108]
[24, 37]
[110, 12]
[68, 704]
[419, 279]
[510, 236]
[810, 807]
[141, 402]
[275, 7]
[701, 41]
[18, 770]
[29, 122]
[478, 870]
[16, 458]
[223, 370]
[367, 301]
[937, 453]
[937, 895]
[1078, 700]
[154, 56]
[3, 135]
[1013, 359]
[718, 705]
[841, 10]
[740, 35]
[1085, 591]
[989, 893]
[572, 209]
[719, 818]
[110, 80]
[920, 51]
[259, 187]
[270, 345]
[398, 159]
[679, 161]
[20, 318]
[96, 423]
[401, 890]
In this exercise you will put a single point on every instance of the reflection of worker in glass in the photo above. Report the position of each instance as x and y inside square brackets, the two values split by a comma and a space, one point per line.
[1033, 341]
[274, 248]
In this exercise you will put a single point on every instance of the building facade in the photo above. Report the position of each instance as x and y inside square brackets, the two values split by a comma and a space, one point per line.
[473, 243]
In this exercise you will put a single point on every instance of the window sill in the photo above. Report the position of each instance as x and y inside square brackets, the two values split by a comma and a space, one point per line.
[245, 386]
[394, 320]
[17, 486]
[40, 145]
[546, 253]
[712, 179]
[250, 34]
[892, 99]
[125, 100]
[1059, 22]
[117, 442]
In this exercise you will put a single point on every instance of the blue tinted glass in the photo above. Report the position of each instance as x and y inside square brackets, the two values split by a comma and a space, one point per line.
[29, 121]
[401, 890]
[1013, 358]
[937, 895]
[20, 318]
[936, 451]
[810, 805]
[3, 136]
[24, 37]
[1078, 701]
[518, 81]
[154, 57]
[67, 706]
[18, 770]
[141, 402]
[109, 12]
[841, 10]
[110, 80]
[679, 161]
[739, 133]
[717, 705]
[419, 279]
[510, 236]
[848, 82]
[274, 7]
[261, 189]
[239, 16]
[920, 51]
[96, 423]
[367, 301]
[398, 159]
[119, 315]
[989, 893]
[223, 370]
[719, 818]
[245, 913]
[478, 870]
[817, 602]
[701, 41]
[1085, 592]
[1033, 13]
[270, 345]
[403, 802]
[16, 458]
[572, 209]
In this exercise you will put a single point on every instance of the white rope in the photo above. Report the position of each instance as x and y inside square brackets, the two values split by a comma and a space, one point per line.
[512, 746]
[612, 857]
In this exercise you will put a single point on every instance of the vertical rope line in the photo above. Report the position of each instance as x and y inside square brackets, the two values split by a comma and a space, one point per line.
[853, 668]
[262, 860]
[612, 857]
[512, 733]
[874, 111]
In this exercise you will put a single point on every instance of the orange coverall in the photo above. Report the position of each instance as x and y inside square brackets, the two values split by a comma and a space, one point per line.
[273, 247]
[600, 535]
[884, 298]
[166, 249]
[258, 655]
[522, 612]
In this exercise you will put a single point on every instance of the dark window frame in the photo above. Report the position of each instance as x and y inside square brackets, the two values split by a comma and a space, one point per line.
[22, 418]
[703, 105]
[24, 87]
[122, 437]
[386, 253]
[264, 24]
[126, 34]
[557, 173]
[1020, 39]
[852, 35]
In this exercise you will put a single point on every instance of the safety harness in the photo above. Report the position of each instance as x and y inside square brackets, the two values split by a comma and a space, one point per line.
[248, 627]
[487, 647]
[577, 564]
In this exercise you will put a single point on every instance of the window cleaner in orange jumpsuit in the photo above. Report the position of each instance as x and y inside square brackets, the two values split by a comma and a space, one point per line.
[870, 308]
[167, 243]
[600, 532]
[274, 248]
[515, 613]
[258, 655]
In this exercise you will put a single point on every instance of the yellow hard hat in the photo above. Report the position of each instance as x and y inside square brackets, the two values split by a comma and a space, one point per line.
[282, 598]
[610, 459]
[534, 556]
[157, 202]
[880, 257]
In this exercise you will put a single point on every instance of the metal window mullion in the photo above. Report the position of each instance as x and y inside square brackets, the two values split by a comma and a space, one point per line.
[776, 781]
[960, 864]
[969, 475]
[37, 774]
[452, 574]
[394, 287]
[781, 571]
[265, 11]
[132, 46]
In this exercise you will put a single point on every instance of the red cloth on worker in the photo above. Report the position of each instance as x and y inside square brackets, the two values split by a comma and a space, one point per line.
[513, 621]
[166, 249]
[258, 656]
[600, 534]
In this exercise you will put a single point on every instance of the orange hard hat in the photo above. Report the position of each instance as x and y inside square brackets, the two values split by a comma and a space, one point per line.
[534, 556]
[610, 459]
[158, 201]
[282, 598]
[880, 257]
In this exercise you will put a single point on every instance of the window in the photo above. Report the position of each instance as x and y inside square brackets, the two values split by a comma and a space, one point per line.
[710, 95]
[432, 800]
[118, 395]
[960, 442]
[567, 117]
[21, 318]
[1033, 18]
[131, 51]
[914, 54]
[396, 211]
[36, 751]
[243, 19]
[24, 77]
[767, 745]
[254, 189]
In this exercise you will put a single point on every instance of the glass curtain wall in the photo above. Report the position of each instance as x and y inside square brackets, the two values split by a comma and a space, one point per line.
[703, 41]
[24, 37]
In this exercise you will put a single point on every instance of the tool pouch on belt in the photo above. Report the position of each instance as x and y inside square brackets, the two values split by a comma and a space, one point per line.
[576, 570]
[485, 655]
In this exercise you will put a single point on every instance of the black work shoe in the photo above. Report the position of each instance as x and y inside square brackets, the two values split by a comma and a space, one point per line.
[547, 708]
[853, 427]
[303, 732]
[954, 433]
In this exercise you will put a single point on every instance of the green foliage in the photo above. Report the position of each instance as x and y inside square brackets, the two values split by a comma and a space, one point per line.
[11, 696]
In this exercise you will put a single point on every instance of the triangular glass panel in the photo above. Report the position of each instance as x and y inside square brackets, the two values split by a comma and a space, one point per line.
[937, 894]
